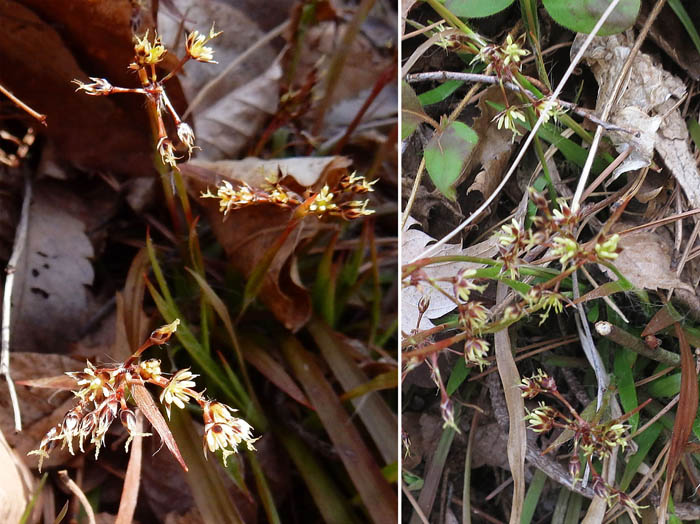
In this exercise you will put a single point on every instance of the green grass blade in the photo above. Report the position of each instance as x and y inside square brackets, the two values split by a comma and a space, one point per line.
[533, 496]
[683, 16]
[377, 495]
[330, 501]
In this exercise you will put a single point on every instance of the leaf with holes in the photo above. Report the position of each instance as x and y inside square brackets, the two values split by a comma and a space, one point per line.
[477, 8]
[447, 153]
[583, 15]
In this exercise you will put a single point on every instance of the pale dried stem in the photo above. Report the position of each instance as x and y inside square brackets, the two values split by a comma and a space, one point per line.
[420, 51]
[20, 241]
[530, 137]
[40, 117]
[414, 192]
[75, 490]
[422, 30]
[414, 503]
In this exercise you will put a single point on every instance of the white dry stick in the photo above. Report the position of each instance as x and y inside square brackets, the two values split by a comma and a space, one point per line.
[20, 240]
[543, 115]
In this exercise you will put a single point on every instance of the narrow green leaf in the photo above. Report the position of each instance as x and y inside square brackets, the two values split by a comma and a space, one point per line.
[446, 155]
[323, 292]
[667, 386]
[377, 495]
[376, 415]
[581, 16]
[533, 496]
[694, 130]
[624, 363]
[459, 374]
[644, 442]
[683, 16]
[439, 93]
[329, 499]
[32, 502]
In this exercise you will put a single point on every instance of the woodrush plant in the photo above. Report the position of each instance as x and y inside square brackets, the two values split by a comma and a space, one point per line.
[105, 391]
[591, 439]
[147, 55]
[550, 229]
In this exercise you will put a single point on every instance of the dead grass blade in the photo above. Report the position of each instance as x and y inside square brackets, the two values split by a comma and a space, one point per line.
[130, 492]
[517, 437]
[148, 407]
[377, 495]
[375, 414]
[263, 361]
[685, 414]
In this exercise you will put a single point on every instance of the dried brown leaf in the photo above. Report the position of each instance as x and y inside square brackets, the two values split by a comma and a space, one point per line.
[685, 415]
[645, 261]
[517, 435]
[41, 408]
[130, 492]
[414, 242]
[50, 284]
[249, 232]
[645, 105]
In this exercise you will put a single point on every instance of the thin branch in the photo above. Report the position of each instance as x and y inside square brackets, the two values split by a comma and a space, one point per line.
[20, 240]
[444, 76]
[40, 117]
[75, 490]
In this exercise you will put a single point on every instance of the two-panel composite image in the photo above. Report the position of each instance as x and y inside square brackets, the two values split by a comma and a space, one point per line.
[349, 261]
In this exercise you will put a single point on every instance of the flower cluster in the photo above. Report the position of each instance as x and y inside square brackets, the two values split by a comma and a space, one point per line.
[103, 393]
[325, 202]
[554, 229]
[508, 118]
[591, 439]
[147, 55]
[473, 317]
[502, 59]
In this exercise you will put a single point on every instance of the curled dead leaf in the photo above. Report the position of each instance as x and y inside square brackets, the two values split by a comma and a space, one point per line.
[228, 107]
[645, 105]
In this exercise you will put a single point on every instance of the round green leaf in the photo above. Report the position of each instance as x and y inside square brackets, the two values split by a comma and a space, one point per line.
[582, 15]
[476, 8]
[446, 154]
